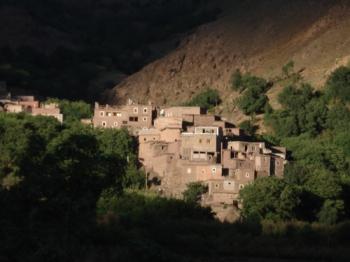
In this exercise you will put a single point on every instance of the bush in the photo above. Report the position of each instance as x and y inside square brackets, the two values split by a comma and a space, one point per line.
[194, 192]
[288, 69]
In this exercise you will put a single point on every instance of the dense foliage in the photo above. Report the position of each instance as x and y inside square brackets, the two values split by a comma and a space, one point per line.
[50, 179]
[314, 126]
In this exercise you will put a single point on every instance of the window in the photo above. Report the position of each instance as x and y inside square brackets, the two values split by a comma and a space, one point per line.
[145, 139]
[136, 110]
[114, 113]
[104, 123]
[241, 186]
[133, 119]
[144, 119]
[102, 113]
[115, 123]
[119, 114]
[109, 113]
[125, 122]
[213, 170]
[247, 174]
[145, 110]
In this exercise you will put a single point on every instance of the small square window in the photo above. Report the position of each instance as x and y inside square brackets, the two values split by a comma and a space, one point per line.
[102, 113]
[104, 123]
[145, 110]
[213, 170]
[136, 110]
[247, 174]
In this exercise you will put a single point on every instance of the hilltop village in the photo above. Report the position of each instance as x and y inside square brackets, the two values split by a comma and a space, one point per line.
[182, 145]
[178, 146]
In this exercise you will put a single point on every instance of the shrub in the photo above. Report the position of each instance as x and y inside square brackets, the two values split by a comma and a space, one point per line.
[194, 192]
[288, 68]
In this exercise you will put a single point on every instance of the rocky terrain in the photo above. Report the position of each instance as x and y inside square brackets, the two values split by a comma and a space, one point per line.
[254, 36]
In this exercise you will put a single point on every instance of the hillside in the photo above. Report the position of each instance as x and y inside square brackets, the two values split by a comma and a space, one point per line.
[69, 49]
[254, 36]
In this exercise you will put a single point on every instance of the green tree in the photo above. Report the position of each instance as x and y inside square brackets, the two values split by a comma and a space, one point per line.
[73, 111]
[206, 99]
[338, 84]
[270, 198]
[254, 99]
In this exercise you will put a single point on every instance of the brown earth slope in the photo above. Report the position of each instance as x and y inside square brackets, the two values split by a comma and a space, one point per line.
[255, 36]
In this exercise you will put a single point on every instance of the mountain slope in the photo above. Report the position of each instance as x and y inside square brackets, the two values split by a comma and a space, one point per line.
[255, 36]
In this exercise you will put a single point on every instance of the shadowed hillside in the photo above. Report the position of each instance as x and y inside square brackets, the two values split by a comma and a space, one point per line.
[254, 36]
[75, 49]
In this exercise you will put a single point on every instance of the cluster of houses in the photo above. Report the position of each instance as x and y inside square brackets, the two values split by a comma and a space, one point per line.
[178, 146]
[27, 104]
[182, 145]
